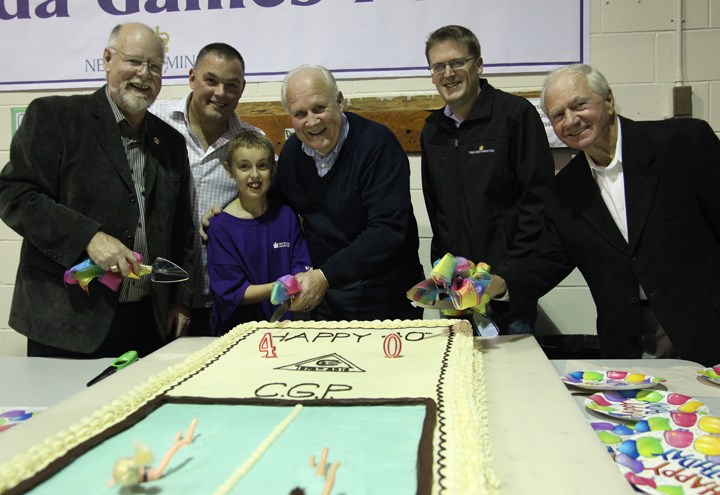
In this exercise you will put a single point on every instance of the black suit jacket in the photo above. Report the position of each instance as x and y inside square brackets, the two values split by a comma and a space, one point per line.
[67, 178]
[672, 189]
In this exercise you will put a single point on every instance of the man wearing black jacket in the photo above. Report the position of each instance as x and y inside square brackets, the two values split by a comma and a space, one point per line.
[485, 164]
[637, 212]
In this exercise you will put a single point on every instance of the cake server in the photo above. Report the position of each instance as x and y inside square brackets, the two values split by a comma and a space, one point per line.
[161, 271]
[165, 271]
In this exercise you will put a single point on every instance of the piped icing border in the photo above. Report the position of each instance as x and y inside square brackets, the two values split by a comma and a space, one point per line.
[467, 465]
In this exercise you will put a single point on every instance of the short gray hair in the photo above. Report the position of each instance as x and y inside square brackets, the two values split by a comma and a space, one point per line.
[596, 81]
[319, 70]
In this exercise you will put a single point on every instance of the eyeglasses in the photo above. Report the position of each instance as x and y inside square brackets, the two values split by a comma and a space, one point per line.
[454, 65]
[138, 63]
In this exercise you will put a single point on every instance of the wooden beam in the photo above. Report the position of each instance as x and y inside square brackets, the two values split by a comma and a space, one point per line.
[404, 115]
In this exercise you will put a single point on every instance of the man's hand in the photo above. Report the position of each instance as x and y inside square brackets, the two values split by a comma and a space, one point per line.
[497, 287]
[178, 321]
[112, 255]
[313, 285]
[205, 221]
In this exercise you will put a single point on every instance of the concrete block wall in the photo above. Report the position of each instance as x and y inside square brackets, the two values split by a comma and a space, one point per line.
[632, 43]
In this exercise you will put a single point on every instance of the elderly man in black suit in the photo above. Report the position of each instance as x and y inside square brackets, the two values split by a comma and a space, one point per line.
[637, 212]
[98, 176]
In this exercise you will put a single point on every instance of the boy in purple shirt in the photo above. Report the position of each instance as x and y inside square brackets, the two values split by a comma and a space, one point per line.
[254, 241]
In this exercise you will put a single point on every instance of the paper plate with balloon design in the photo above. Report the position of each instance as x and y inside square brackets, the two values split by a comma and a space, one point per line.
[610, 380]
[643, 404]
[711, 374]
[661, 457]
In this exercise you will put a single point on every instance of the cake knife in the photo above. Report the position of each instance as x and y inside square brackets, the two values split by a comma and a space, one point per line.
[280, 311]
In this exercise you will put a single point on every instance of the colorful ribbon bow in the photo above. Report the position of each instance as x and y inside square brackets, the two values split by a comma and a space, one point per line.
[85, 271]
[456, 286]
[284, 288]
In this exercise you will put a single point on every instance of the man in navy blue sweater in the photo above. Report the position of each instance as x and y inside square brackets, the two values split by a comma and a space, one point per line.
[349, 180]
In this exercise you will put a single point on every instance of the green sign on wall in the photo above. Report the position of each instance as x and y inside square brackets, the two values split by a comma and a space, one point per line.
[16, 116]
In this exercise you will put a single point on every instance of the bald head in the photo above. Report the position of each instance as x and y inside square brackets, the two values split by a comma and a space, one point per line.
[135, 29]
[317, 73]
[312, 99]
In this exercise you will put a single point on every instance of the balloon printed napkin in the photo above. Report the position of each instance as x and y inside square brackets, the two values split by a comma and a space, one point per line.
[610, 380]
[711, 374]
[664, 457]
[642, 404]
[664, 443]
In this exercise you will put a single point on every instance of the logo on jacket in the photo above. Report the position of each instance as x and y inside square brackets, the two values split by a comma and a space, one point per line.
[481, 149]
[280, 245]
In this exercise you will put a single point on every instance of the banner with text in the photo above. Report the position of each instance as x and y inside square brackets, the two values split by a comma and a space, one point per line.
[52, 44]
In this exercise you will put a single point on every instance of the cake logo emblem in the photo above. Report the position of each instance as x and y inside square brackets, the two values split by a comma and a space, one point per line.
[329, 362]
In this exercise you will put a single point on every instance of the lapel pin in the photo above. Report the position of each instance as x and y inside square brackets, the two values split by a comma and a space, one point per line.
[156, 140]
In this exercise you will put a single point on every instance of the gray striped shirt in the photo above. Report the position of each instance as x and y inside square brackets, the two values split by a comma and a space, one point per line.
[137, 153]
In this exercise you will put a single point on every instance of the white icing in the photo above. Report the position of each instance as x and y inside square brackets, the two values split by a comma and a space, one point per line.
[467, 464]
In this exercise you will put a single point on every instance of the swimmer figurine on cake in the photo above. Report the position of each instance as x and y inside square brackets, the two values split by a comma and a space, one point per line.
[321, 471]
[133, 471]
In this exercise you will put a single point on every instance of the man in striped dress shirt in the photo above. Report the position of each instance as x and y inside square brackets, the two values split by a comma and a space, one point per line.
[206, 118]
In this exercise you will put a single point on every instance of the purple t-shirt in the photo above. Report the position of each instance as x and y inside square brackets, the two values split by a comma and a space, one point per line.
[243, 252]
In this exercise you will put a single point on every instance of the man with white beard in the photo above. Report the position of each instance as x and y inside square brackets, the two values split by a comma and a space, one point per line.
[98, 176]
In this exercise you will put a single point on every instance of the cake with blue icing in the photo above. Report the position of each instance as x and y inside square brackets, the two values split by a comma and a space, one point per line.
[362, 407]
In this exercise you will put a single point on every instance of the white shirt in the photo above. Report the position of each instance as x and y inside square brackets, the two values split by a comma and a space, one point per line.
[212, 185]
[611, 182]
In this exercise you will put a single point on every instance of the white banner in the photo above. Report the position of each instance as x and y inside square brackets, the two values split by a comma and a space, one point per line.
[52, 44]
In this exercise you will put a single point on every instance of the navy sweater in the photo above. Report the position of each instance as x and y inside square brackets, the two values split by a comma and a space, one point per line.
[358, 219]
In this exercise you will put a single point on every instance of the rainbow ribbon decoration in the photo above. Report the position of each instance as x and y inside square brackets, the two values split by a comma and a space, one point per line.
[284, 288]
[456, 286]
[84, 272]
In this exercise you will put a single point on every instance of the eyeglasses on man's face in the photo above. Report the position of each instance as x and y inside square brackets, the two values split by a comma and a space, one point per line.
[454, 65]
[137, 63]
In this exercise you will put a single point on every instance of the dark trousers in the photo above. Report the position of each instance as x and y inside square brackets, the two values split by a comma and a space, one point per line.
[133, 329]
[656, 343]
[200, 322]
